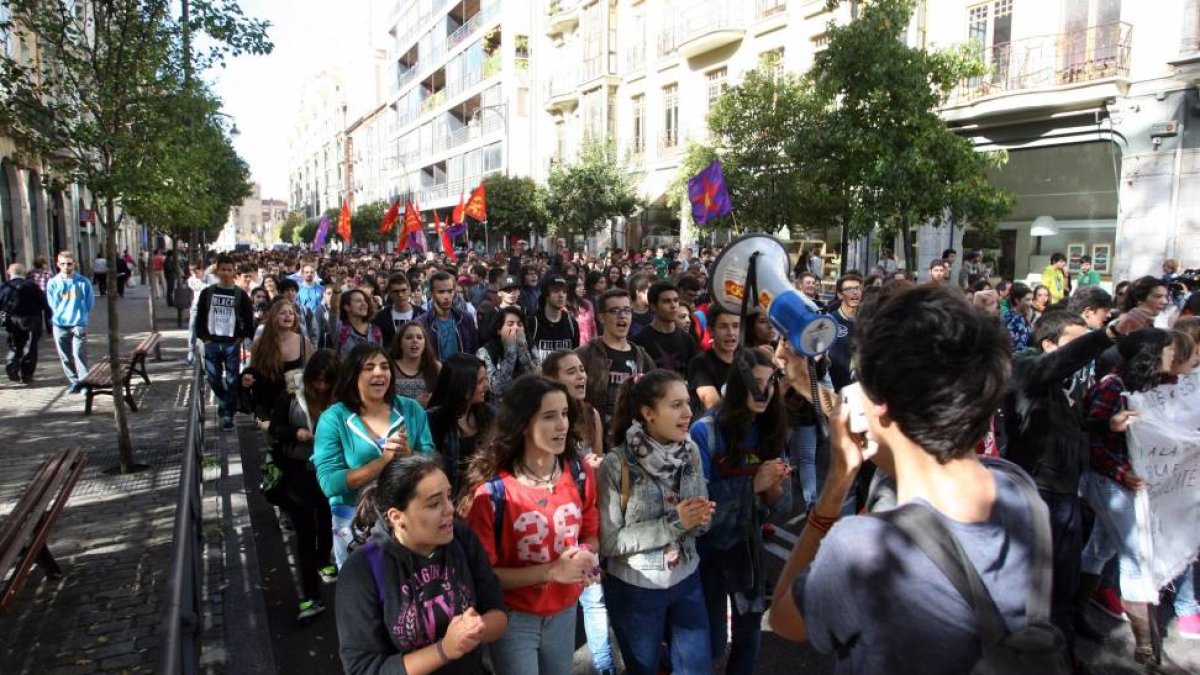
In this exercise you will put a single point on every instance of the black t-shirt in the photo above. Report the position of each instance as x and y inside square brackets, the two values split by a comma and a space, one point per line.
[705, 370]
[641, 321]
[622, 365]
[546, 338]
[672, 351]
[840, 352]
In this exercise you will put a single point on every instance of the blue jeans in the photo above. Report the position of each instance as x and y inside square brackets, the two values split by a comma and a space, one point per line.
[221, 364]
[342, 520]
[642, 618]
[802, 446]
[595, 626]
[746, 628]
[1185, 592]
[1114, 507]
[71, 342]
[536, 645]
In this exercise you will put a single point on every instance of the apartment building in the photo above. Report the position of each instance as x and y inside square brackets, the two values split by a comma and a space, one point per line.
[316, 173]
[459, 96]
[1096, 103]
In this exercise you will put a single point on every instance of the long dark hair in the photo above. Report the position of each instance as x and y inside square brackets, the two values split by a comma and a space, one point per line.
[635, 394]
[324, 366]
[1142, 370]
[395, 488]
[587, 419]
[1139, 290]
[505, 443]
[735, 419]
[347, 386]
[344, 304]
[429, 361]
[491, 337]
[455, 382]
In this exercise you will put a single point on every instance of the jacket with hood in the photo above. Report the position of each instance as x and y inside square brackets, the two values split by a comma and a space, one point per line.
[412, 608]
[1046, 433]
[468, 336]
[383, 319]
[343, 443]
[596, 362]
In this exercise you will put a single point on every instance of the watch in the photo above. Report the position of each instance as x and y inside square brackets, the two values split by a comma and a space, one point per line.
[1111, 330]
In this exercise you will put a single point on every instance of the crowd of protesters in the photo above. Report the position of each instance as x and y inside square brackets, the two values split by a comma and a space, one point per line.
[479, 454]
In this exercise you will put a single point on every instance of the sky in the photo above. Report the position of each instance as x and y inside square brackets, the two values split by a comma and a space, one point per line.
[264, 94]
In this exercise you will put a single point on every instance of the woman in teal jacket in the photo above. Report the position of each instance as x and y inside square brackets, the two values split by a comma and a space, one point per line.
[361, 433]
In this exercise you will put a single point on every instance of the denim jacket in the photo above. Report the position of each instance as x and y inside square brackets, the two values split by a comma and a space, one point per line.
[637, 537]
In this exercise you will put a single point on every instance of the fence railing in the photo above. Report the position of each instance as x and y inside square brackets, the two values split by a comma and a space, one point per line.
[1046, 61]
[183, 619]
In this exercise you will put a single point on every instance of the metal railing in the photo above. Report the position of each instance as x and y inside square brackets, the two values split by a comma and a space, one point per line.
[767, 8]
[709, 16]
[183, 619]
[1046, 61]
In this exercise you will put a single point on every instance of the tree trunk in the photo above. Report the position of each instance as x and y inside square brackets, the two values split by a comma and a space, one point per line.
[910, 262]
[120, 416]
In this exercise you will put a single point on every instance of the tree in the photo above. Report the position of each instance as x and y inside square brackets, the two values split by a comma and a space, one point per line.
[306, 231]
[888, 162]
[94, 100]
[364, 223]
[596, 187]
[290, 227]
[516, 206]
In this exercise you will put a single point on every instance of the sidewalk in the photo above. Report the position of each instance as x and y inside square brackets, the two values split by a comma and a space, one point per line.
[113, 540]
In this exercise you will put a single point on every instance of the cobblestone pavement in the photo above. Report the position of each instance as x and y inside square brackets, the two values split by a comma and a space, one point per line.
[113, 540]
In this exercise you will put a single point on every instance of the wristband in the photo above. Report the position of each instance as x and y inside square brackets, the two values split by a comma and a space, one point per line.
[820, 523]
[442, 653]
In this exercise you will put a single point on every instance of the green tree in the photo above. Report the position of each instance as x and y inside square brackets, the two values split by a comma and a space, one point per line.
[94, 102]
[886, 161]
[290, 229]
[516, 206]
[306, 231]
[582, 195]
[364, 223]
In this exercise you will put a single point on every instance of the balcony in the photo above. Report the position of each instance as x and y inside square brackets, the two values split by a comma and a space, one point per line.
[708, 26]
[561, 91]
[668, 142]
[1050, 63]
[474, 23]
[769, 8]
[562, 16]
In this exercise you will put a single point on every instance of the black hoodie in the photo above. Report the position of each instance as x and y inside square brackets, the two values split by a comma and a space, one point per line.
[421, 594]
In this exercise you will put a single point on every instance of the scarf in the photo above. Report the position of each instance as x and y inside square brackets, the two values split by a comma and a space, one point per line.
[662, 461]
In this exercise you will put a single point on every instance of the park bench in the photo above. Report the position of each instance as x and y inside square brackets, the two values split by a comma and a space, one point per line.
[24, 532]
[99, 378]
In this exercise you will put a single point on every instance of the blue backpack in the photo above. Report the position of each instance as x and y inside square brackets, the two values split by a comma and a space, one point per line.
[497, 495]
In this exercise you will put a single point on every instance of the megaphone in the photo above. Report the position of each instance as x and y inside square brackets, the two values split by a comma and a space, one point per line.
[753, 269]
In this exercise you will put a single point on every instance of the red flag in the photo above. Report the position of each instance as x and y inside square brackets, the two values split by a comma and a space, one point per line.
[477, 205]
[390, 218]
[457, 216]
[344, 223]
[447, 246]
[412, 223]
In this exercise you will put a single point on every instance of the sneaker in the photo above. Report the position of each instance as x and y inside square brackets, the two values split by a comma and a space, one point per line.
[309, 609]
[328, 573]
[227, 422]
[1107, 600]
[1189, 626]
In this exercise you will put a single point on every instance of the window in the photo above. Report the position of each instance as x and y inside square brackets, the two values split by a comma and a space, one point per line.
[670, 132]
[639, 124]
[989, 27]
[774, 59]
[768, 8]
[593, 41]
[716, 84]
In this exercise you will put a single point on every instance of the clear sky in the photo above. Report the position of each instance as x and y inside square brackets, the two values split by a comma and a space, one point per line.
[265, 93]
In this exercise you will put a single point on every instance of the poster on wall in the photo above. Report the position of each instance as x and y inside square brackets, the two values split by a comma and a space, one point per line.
[1074, 253]
[1102, 258]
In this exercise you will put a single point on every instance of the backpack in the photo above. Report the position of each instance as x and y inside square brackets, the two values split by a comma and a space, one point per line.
[496, 492]
[8, 302]
[1037, 648]
[374, 556]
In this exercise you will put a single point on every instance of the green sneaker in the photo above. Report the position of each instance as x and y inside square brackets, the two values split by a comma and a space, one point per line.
[329, 573]
[309, 609]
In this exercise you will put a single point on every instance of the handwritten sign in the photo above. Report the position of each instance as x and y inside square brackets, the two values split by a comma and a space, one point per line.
[1164, 448]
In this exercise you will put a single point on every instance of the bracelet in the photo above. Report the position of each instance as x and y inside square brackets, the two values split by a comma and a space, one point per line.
[820, 523]
[442, 653]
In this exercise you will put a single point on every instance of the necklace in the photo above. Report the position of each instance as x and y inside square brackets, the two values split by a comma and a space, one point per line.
[537, 480]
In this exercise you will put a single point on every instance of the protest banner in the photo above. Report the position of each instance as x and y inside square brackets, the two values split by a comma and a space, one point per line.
[1164, 449]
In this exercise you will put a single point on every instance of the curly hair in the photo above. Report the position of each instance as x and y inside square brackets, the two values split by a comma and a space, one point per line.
[267, 351]
[1143, 351]
[1139, 291]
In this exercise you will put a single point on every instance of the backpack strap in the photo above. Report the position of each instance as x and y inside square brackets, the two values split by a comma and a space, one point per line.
[495, 486]
[625, 480]
[1037, 604]
[580, 475]
[374, 556]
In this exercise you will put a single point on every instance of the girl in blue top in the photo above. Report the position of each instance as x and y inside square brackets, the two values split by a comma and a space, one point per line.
[361, 433]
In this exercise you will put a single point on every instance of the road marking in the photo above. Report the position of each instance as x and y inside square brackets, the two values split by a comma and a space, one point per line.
[785, 535]
[777, 551]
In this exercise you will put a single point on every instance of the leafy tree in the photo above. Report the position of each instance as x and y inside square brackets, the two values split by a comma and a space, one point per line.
[596, 187]
[96, 100]
[516, 206]
[288, 231]
[306, 231]
[364, 223]
[887, 162]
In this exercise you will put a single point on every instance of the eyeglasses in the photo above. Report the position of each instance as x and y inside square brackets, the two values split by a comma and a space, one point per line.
[851, 289]
[619, 311]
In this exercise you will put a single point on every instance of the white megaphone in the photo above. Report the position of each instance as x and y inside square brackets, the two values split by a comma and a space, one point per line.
[758, 263]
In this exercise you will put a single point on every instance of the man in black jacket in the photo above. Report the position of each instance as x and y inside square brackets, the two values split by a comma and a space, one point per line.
[27, 314]
[1047, 437]
[399, 309]
[224, 318]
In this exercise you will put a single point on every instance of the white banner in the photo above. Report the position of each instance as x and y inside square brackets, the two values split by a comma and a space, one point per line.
[1164, 449]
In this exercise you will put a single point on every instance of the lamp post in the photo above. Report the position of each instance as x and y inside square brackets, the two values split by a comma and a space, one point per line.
[500, 109]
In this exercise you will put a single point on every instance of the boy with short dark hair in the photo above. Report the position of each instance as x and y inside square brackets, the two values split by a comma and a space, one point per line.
[224, 318]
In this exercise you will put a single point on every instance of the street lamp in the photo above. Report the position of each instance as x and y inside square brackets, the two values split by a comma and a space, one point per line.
[500, 109]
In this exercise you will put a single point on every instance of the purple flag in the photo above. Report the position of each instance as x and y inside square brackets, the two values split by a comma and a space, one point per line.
[706, 191]
[416, 241]
[456, 230]
[322, 233]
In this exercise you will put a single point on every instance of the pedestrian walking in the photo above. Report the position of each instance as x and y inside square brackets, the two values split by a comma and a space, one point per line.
[224, 318]
[158, 282]
[25, 312]
[71, 299]
[100, 274]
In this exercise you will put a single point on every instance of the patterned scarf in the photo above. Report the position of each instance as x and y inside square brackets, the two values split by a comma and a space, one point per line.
[662, 461]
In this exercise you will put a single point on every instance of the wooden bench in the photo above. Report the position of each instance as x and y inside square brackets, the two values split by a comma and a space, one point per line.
[24, 532]
[99, 380]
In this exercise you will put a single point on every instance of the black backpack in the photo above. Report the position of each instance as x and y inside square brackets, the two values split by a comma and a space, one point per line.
[1037, 648]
